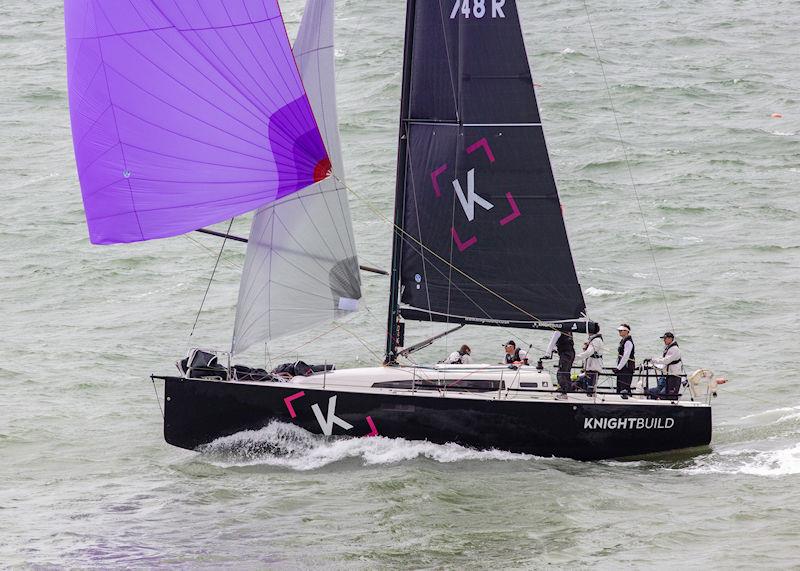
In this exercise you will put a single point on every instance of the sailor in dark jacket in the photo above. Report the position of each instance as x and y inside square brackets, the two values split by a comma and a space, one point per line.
[563, 344]
[514, 355]
[626, 362]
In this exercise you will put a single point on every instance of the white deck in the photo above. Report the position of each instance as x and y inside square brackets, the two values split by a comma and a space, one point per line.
[360, 380]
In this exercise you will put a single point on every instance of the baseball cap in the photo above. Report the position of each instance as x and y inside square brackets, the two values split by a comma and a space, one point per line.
[668, 334]
[624, 327]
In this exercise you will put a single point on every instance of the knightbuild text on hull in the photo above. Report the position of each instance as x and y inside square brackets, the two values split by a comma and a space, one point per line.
[518, 420]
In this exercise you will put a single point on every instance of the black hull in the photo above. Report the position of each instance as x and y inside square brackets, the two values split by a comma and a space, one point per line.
[198, 412]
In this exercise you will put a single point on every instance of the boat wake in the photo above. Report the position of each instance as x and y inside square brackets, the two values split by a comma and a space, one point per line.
[774, 462]
[289, 446]
[767, 445]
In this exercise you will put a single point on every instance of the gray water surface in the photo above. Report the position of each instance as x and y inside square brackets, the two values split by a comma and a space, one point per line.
[87, 481]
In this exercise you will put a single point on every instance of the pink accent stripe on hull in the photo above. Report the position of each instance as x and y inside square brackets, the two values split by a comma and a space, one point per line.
[372, 426]
[288, 402]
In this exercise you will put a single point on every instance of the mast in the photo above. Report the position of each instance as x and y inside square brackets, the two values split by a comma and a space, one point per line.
[393, 336]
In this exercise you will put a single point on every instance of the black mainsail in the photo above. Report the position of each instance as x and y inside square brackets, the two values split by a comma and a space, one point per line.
[479, 236]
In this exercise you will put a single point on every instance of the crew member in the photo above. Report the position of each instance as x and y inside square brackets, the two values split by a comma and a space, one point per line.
[514, 355]
[563, 344]
[670, 364]
[460, 357]
[626, 362]
[592, 356]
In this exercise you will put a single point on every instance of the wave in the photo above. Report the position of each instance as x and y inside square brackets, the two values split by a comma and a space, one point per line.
[289, 446]
[777, 415]
[597, 292]
[773, 463]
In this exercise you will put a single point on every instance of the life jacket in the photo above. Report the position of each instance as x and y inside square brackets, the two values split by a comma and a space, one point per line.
[631, 364]
[595, 355]
[458, 361]
[565, 345]
[667, 348]
[515, 358]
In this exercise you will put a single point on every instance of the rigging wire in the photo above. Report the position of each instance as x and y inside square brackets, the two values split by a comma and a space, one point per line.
[402, 231]
[360, 340]
[158, 400]
[309, 342]
[449, 264]
[336, 326]
[458, 270]
[227, 261]
[211, 279]
[628, 165]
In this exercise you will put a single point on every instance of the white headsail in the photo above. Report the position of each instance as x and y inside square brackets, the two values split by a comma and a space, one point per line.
[301, 268]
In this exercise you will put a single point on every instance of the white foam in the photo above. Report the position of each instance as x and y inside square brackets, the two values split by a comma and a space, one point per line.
[289, 446]
[597, 292]
[775, 463]
[772, 463]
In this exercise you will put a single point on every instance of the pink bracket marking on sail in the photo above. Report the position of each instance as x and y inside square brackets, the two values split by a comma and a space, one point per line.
[434, 179]
[514, 210]
[481, 144]
[372, 426]
[465, 244]
[288, 402]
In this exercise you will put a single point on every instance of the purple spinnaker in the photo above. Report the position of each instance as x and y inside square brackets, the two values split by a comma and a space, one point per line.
[184, 114]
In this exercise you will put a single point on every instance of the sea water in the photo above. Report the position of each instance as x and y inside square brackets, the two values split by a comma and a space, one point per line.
[705, 95]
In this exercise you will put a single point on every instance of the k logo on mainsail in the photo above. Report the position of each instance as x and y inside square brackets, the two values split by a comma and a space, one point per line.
[469, 199]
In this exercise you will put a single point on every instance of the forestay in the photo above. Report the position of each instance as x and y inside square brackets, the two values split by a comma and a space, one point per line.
[301, 267]
[184, 114]
[479, 191]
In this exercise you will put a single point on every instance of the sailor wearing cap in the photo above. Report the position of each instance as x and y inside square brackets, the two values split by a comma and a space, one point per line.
[626, 362]
[514, 355]
[671, 365]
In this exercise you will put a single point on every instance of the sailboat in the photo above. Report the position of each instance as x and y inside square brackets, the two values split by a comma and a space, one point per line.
[188, 115]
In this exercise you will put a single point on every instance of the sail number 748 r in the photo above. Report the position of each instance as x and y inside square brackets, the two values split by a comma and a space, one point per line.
[477, 8]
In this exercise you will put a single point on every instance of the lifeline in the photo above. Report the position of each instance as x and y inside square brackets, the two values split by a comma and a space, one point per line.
[622, 423]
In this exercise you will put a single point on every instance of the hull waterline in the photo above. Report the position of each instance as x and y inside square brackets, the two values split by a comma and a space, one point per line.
[200, 411]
